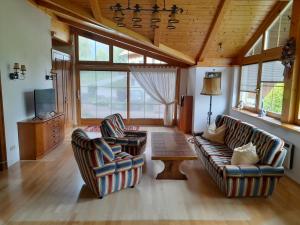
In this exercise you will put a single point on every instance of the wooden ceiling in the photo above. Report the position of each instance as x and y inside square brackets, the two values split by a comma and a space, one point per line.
[203, 25]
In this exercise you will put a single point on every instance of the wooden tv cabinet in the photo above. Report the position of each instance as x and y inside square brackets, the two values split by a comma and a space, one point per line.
[38, 137]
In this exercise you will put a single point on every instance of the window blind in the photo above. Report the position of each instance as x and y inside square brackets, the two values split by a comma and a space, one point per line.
[249, 78]
[272, 72]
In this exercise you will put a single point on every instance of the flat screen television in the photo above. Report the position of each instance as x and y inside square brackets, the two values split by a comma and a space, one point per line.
[44, 102]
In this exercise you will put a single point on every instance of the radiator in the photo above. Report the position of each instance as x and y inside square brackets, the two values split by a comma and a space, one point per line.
[288, 162]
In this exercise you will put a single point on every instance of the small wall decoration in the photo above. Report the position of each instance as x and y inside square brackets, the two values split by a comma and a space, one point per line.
[288, 56]
[213, 74]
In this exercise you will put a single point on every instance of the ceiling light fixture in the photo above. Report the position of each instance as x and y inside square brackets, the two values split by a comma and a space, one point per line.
[119, 15]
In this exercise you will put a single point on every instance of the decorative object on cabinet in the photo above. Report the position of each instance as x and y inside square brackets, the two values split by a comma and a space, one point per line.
[38, 137]
[52, 75]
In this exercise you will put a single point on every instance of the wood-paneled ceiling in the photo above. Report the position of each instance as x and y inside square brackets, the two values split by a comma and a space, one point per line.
[203, 25]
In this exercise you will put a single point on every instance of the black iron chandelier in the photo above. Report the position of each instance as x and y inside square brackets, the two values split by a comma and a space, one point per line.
[119, 15]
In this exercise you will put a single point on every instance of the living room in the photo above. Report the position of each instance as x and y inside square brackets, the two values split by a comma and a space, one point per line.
[149, 112]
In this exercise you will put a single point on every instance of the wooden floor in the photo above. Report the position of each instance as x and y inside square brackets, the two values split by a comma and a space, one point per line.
[51, 192]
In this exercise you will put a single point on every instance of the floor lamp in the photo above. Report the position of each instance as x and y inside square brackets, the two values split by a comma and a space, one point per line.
[211, 86]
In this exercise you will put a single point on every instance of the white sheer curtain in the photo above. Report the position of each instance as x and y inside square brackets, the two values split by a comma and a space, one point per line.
[160, 84]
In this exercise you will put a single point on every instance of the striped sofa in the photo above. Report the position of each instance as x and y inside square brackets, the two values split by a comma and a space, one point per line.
[105, 168]
[242, 180]
[113, 130]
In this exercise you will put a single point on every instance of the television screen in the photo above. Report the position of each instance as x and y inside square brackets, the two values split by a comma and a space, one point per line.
[44, 102]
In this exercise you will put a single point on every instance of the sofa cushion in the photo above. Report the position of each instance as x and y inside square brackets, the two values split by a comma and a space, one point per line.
[241, 135]
[216, 135]
[267, 145]
[231, 124]
[218, 162]
[199, 140]
[245, 155]
[215, 150]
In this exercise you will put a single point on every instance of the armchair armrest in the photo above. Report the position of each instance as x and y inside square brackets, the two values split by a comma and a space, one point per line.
[135, 133]
[104, 170]
[252, 171]
[110, 140]
[116, 148]
[197, 134]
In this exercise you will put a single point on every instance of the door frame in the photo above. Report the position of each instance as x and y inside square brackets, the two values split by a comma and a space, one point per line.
[3, 153]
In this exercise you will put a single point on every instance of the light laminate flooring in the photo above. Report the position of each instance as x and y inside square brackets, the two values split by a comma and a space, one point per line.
[50, 191]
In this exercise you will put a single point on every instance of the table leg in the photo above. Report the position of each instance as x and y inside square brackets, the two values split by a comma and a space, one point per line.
[172, 171]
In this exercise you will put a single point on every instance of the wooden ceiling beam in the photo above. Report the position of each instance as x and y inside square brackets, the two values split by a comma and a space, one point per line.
[213, 29]
[156, 36]
[74, 10]
[122, 41]
[271, 16]
[71, 11]
[96, 10]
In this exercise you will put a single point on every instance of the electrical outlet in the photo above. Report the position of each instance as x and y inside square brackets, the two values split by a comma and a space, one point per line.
[12, 148]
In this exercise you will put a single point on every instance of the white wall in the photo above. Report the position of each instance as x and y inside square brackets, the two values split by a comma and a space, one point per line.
[220, 104]
[24, 38]
[287, 135]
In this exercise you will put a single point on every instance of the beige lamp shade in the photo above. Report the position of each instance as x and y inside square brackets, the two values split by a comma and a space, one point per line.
[211, 86]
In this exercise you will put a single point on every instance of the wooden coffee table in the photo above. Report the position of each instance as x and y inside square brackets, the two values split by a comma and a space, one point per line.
[172, 149]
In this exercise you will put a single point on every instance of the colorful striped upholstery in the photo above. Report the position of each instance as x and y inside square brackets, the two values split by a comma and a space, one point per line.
[113, 130]
[117, 181]
[241, 135]
[242, 180]
[101, 175]
[202, 141]
[279, 158]
[105, 149]
[267, 145]
[116, 148]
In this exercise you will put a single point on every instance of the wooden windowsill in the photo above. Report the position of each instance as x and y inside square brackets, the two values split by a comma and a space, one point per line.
[270, 120]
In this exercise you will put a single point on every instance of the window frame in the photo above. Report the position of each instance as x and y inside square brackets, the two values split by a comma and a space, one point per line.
[110, 66]
[249, 108]
[111, 44]
[258, 88]
[266, 55]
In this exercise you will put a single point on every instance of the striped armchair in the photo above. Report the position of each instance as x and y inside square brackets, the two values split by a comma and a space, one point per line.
[104, 168]
[113, 130]
[242, 180]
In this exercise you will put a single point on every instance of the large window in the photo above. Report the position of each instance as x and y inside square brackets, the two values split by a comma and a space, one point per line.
[103, 93]
[262, 82]
[124, 56]
[90, 50]
[272, 86]
[248, 88]
[278, 33]
[150, 60]
[141, 104]
[256, 49]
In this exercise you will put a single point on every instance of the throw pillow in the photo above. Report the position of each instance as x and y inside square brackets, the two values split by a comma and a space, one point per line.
[245, 155]
[217, 135]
